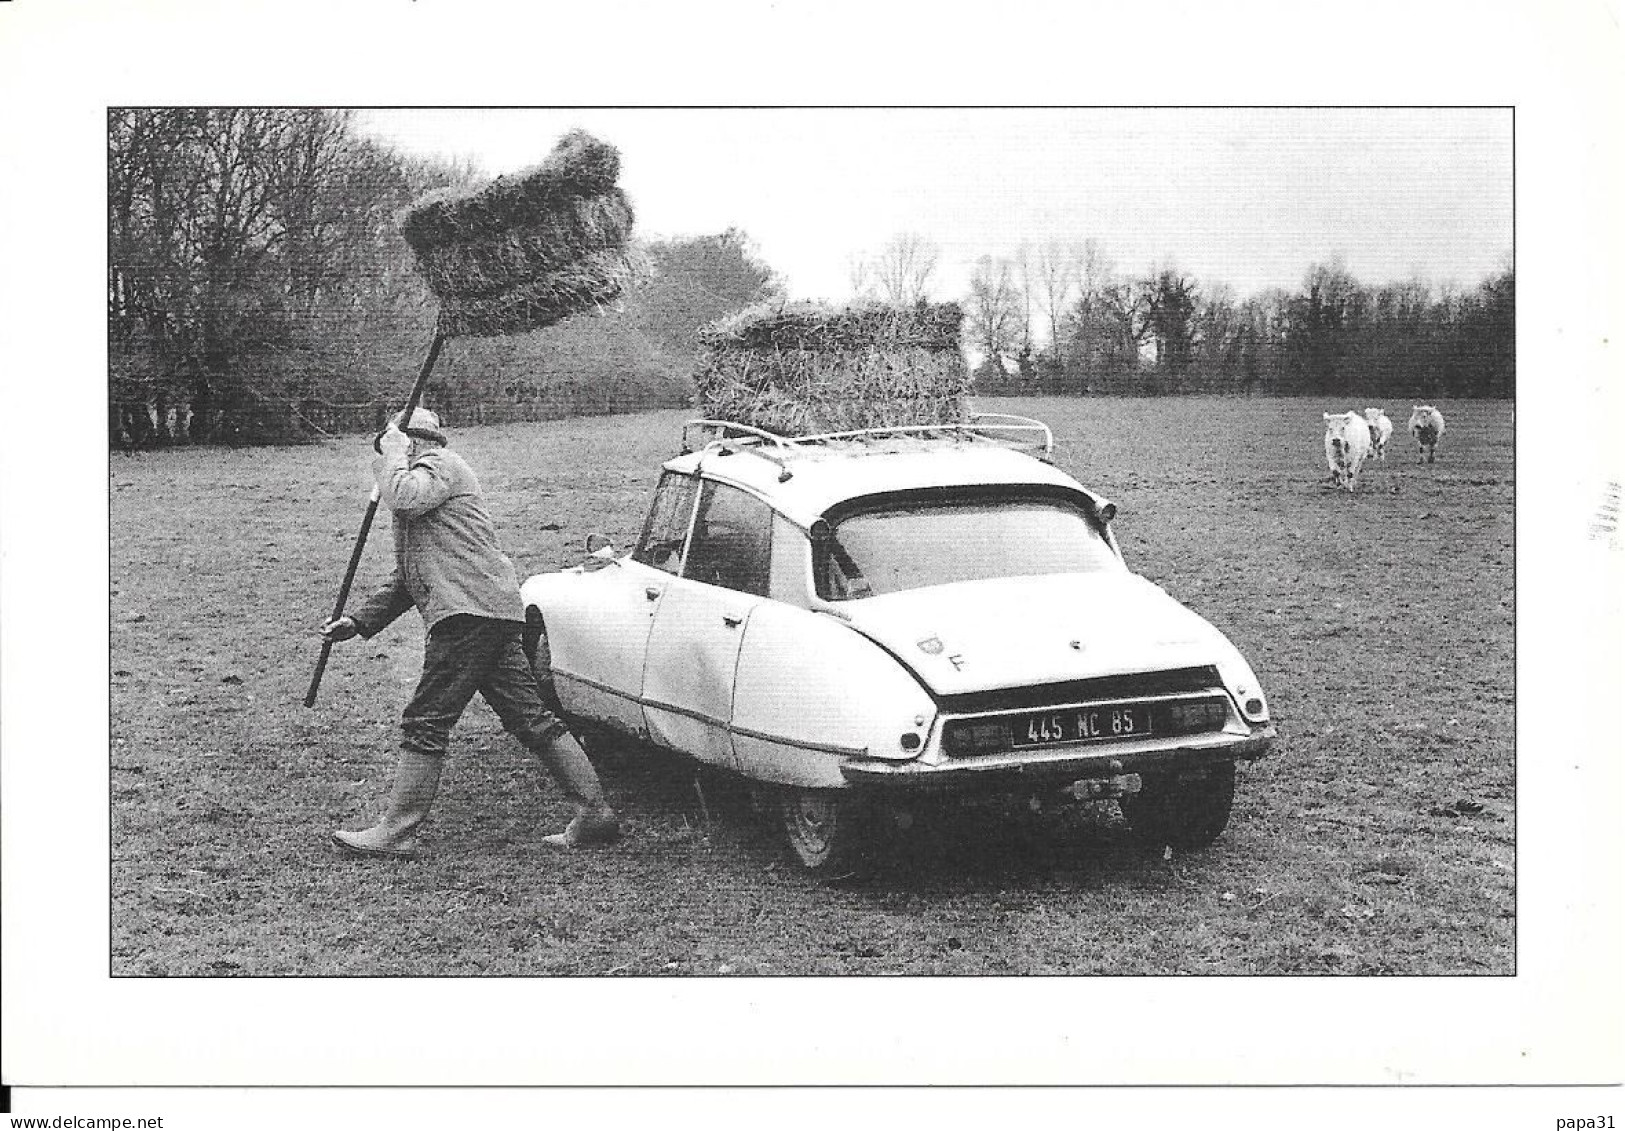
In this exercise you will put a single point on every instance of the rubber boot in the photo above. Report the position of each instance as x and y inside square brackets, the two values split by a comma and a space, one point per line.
[417, 779]
[594, 822]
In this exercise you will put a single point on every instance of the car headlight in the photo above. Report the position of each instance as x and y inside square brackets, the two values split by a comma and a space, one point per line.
[1253, 705]
[1243, 686]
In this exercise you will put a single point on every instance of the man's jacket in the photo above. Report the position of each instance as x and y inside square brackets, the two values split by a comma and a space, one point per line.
[447, 559]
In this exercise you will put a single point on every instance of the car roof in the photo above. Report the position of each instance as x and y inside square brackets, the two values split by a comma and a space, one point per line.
[805, 481]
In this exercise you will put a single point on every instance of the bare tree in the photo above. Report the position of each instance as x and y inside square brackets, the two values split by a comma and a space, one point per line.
[1093, 268]
[243, 245]
[1057, 272]
[1028, 287]
[318, 223]
[1103, 326]
[1218, 337]
[994, 308]
[860, 275]
[904, 268]
[1091, 272]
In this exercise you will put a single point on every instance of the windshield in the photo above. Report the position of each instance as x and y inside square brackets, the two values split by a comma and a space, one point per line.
[914, 546]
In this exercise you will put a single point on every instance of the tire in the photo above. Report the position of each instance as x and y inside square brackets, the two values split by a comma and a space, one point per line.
[604, 748]
[1185, 814]
[828, 831]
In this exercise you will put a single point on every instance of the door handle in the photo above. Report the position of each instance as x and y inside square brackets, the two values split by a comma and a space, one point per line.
[652, 592]
[731, 621]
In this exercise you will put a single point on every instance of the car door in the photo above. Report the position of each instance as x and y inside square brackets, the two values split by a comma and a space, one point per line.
[600, 635]
[700, 621]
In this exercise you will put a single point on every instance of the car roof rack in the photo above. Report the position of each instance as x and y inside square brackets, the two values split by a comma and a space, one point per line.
[749, 439]
[1005, 429]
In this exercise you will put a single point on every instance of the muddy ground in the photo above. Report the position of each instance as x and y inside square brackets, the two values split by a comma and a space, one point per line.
[1377, 838]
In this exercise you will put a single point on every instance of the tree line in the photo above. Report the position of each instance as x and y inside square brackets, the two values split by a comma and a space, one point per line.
[1163, 332]
[259, 289]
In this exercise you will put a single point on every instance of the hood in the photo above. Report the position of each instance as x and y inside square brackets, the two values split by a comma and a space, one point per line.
[1013, 632]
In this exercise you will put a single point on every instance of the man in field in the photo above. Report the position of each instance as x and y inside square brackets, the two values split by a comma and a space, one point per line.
[448, 564]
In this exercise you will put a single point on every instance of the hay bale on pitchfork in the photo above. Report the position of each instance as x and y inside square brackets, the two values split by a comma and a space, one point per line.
[519, 254]
[808, 367]
[528, 250]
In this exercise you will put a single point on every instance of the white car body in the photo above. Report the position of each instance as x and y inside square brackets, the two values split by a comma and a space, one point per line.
[761, 673]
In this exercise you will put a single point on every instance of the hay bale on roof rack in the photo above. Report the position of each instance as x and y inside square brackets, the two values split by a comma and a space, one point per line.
[810, 368]
[530, 250]
[816, 326]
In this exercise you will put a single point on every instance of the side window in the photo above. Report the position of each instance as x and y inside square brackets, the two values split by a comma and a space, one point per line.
[661, 545]
[732, 540]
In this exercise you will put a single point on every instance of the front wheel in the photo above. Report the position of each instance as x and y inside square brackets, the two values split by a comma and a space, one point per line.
[533, 638]
[1184, 810]
[828, 831]
[601, 745]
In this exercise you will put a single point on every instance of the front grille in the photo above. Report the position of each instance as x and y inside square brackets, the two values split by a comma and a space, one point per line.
[1140, 685]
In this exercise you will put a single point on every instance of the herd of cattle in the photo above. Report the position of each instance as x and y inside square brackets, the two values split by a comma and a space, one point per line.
[1352, 438]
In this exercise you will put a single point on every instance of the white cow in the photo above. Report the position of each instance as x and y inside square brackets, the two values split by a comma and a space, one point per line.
[1381, 428]
[1348, 442]
[1427, 425]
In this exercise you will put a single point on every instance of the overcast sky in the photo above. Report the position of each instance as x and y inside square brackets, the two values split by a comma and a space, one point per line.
[1250, 198]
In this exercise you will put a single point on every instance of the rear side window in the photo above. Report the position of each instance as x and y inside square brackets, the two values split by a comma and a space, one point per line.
[732, 540]
[662, 543]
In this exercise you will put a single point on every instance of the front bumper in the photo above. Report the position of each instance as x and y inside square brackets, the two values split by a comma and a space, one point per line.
[993, 772]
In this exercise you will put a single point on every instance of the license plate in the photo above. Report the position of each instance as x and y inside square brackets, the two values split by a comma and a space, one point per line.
[1082, 724]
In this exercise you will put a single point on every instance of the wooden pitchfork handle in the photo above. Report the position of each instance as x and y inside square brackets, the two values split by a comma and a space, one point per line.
[366, 522]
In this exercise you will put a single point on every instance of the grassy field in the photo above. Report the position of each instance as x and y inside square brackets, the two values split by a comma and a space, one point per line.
[1377, 838]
